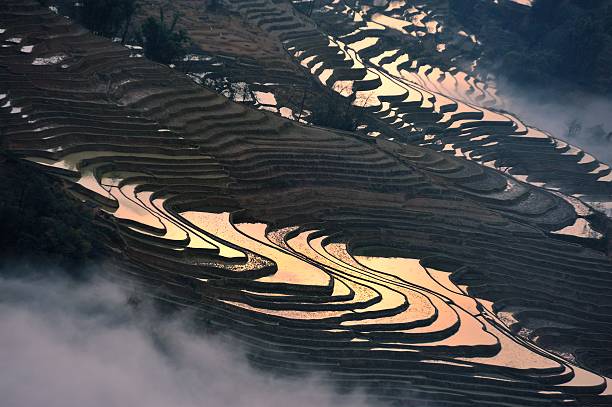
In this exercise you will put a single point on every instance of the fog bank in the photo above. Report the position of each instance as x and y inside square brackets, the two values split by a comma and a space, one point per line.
[556, 111]
[64, 344]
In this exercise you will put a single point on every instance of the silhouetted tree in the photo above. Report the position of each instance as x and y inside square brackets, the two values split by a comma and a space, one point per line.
[128, 11]
[597, 132]
[107, 17]
[163, 43]
[574, 128]
[335, 112]
[40, 223]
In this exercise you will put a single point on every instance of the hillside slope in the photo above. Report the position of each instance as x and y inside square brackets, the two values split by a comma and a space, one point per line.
[417, 274]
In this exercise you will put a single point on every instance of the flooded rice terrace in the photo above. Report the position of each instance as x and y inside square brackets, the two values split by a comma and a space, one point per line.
[444, 253]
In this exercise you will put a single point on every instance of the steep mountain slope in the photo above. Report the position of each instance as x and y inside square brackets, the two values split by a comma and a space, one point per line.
[415, 273]
[403, 70]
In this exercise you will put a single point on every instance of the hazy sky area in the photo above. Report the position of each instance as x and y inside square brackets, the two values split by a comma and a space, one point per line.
[552, 113]
[67, 345]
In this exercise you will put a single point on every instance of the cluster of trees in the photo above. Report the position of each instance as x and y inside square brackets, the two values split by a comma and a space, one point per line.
[41, 225]
[335, 112]
[162, 42]
[597, 133]
[557, 40]
[109, 18]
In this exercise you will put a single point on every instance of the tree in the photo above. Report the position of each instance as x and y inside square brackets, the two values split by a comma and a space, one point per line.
[585, 44]
[128, 10]
[163, 43]
[40, 224]
[574, 128]
[557, 42]
[335, 112]
[107, 17]
[597, 132]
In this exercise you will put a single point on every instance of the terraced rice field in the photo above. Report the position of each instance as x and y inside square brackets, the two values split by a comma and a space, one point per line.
[402, 66]
[362, 51]
[419, 274]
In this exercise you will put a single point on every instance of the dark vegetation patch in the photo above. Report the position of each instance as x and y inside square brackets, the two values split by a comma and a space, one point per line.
[162, 41]
[556, 42]
[109, 18]
[41, 225]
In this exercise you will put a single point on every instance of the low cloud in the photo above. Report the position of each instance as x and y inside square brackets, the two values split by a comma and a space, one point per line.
[66, 344]
[554, 110]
